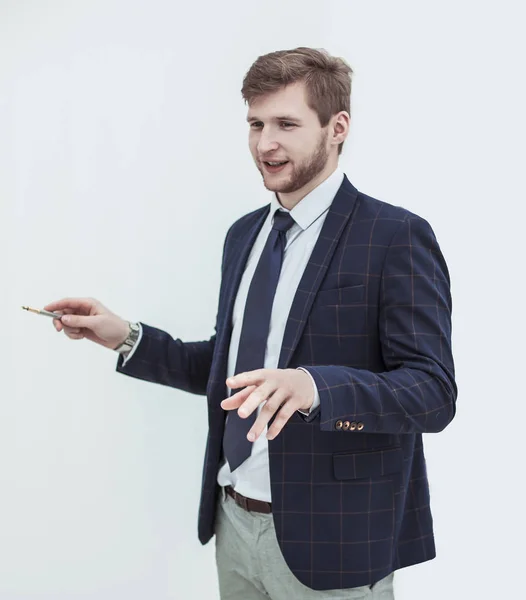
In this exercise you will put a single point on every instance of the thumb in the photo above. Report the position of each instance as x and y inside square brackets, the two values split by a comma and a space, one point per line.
[77, 321]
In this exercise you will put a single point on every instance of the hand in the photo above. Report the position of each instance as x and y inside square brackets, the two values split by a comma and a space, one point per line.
[286, 390]
[89, 319]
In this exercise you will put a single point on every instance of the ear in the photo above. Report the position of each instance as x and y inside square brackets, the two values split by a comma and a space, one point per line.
[340, 124]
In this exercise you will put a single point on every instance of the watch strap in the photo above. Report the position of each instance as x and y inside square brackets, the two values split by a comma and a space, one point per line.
[131, 339]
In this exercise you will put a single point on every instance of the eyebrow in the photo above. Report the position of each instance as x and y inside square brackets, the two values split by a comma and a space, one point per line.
[282, 118]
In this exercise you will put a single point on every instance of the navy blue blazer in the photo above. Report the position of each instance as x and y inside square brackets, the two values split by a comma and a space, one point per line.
[371, 321]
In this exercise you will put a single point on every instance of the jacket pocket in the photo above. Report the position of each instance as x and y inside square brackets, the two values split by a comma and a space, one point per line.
[363, 465]
[340, 296]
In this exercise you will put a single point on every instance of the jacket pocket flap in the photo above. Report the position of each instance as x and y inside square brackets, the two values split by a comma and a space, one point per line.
[361, 465]
[344, 296]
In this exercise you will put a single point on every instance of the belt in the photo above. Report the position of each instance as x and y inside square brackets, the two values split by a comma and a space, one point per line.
[248, 503]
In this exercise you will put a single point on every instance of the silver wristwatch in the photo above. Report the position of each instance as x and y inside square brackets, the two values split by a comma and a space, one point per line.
[131, 340]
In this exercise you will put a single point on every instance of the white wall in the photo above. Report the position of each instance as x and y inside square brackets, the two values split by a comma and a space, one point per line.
[124, 159]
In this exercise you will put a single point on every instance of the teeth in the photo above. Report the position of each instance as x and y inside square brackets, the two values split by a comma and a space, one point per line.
[276, 164]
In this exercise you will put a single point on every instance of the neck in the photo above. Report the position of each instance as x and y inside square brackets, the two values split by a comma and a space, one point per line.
[289, 201]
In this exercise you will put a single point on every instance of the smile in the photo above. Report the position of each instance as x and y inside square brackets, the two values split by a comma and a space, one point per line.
[275, 167]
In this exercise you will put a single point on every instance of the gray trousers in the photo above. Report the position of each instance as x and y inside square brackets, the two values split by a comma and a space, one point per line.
[250, 565]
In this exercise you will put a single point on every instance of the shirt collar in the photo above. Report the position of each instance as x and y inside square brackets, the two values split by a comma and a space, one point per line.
[315, 203]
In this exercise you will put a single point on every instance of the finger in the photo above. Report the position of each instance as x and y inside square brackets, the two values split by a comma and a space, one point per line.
[56, 322]
[74, 336]
[72, 303]
[262, 393]
[272, 405]
[78, 321]
[237, 399]
[283, 416]
[249, 378]
[68, 330]
[59, 326]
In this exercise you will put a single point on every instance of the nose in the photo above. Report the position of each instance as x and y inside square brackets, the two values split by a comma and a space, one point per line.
[266, 143]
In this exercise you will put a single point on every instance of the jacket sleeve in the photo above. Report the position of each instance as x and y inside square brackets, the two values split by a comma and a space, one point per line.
[417, 391]
[159, 358]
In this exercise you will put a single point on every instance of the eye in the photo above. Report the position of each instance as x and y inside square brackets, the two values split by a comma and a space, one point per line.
[283, 125]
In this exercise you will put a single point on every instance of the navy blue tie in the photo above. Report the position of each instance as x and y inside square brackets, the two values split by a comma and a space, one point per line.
[254, 333]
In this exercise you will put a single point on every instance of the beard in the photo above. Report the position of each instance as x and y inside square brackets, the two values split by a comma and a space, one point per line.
[304, 172]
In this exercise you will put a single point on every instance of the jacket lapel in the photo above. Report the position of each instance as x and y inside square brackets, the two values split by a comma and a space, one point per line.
[233, 274]
[319, 261]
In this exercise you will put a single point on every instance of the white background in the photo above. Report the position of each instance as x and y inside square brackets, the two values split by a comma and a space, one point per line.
[123, 161]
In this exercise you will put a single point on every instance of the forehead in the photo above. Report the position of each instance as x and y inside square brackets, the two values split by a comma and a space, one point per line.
[290, 100]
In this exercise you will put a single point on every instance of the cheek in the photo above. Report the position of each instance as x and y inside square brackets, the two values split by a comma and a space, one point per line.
[252, 144]
[299, 147]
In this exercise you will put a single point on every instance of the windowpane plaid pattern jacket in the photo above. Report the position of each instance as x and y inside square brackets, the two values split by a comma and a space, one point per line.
[371, 322]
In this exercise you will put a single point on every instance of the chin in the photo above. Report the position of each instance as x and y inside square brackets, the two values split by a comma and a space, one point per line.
[276, 186]
[276, 183]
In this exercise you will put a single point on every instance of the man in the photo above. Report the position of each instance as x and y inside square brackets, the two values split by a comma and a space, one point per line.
[331, 357]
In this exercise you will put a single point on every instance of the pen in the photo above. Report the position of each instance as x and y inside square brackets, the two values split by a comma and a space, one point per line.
[46, 313]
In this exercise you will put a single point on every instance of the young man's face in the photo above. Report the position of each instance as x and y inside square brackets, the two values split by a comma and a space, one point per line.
[284, 128]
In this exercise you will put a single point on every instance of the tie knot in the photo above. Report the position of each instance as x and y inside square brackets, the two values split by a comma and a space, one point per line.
[282, 221]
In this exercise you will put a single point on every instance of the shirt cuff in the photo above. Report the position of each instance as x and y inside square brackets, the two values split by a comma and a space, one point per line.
[132, 351]
[316, 402]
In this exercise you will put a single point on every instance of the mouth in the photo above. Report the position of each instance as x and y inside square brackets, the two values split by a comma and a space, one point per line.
[275, 166]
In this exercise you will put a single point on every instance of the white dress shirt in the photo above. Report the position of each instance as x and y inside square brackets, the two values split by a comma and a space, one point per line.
[252, 478]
